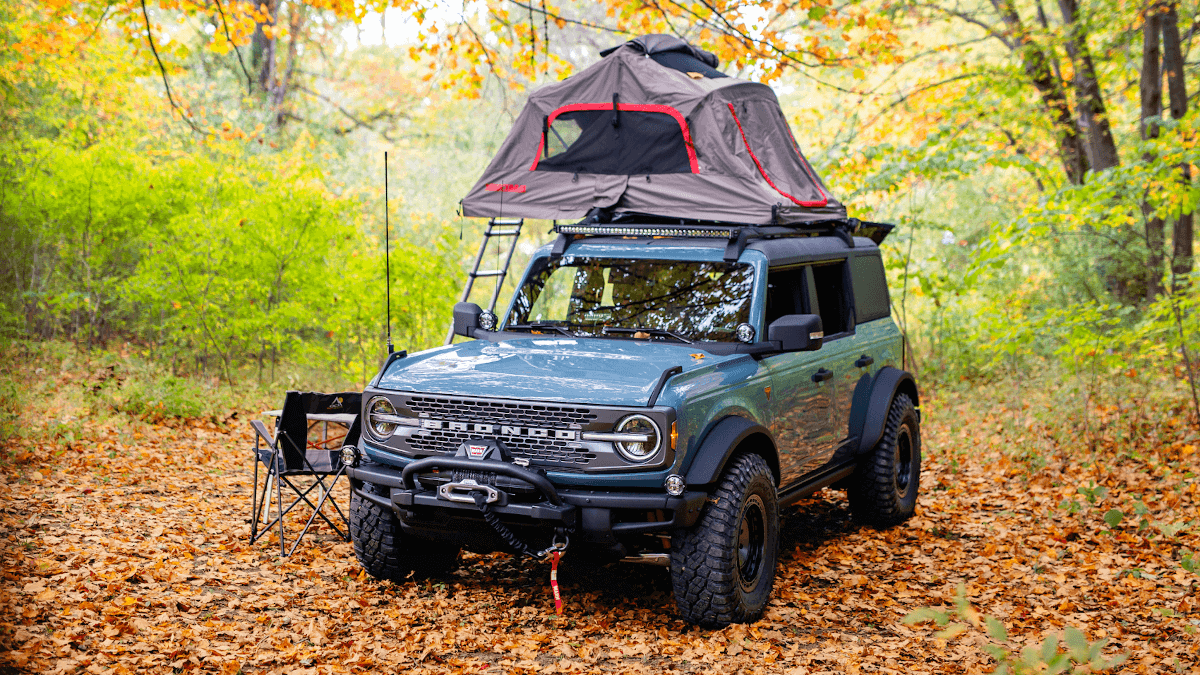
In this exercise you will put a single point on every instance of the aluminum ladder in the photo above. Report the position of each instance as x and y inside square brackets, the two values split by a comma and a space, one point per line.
[497, 228]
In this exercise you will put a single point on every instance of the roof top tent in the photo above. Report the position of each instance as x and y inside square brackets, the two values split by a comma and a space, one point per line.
[653, 129]
[653, 135]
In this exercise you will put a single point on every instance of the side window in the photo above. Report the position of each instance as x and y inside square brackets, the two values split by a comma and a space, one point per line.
[829, 286]
[870, 288]
[785, 292]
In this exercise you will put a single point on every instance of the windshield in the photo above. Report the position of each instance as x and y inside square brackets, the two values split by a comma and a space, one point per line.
[664, 299]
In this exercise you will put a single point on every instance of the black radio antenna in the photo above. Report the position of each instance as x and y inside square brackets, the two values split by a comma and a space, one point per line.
[387, 259]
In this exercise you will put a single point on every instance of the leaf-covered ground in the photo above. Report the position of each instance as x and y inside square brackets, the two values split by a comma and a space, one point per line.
[124, 550]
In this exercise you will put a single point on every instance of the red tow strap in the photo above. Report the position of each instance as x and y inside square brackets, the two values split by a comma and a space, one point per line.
[554, 582]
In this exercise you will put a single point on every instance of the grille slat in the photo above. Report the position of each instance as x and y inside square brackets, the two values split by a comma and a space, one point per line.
[541, 416]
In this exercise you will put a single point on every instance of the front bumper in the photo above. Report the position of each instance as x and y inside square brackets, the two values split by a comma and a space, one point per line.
[596, 515]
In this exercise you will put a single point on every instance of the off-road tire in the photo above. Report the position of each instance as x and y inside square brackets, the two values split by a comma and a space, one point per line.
[883, 490]
[385, 552]
[723, 567]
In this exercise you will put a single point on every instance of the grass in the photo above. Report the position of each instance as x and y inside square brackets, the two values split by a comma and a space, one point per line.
[48, 388]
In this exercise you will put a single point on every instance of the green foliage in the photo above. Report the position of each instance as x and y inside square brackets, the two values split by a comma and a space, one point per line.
[222, 259]
[1069, 651]
[1113, 517]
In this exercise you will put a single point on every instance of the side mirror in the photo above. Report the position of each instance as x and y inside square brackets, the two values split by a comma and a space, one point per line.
[466, 318]
[797, 332]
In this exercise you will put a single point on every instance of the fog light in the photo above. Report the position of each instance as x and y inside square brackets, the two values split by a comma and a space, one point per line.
[675, 485]
[349, 455]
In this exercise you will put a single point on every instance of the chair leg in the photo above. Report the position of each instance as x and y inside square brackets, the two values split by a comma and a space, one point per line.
[325, 494]
[279, 505]
[255, 509]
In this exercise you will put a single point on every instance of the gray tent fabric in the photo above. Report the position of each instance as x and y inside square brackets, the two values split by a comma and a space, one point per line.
[631, 135]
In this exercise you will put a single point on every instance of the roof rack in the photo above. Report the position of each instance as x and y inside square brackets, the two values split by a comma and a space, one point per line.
[736, 235]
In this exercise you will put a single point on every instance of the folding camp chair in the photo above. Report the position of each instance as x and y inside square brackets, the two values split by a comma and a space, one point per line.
[290, 454]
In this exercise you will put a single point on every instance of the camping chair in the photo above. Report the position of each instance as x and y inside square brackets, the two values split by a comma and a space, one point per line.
[289, 455]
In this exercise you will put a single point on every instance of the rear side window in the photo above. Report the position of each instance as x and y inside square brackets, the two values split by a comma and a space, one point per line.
[829, 287]
[870, 288]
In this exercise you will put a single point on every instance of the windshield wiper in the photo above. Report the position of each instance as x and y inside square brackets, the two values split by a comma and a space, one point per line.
[652, 331]
[542, 326]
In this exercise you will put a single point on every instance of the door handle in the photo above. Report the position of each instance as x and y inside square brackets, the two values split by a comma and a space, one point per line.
[822, 375]
[864, 361]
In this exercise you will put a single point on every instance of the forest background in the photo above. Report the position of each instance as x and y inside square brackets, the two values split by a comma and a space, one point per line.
[192, 220]
[197, 186]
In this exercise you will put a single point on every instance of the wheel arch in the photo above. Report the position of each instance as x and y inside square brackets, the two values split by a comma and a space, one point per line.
[869, 415]
[730, 436]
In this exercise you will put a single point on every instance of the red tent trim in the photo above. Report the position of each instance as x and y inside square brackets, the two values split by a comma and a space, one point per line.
[763, 172]
[632, 107]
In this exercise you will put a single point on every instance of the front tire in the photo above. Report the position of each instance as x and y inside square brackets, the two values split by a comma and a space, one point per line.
[383, 549]
[883, 490]
[723, 567]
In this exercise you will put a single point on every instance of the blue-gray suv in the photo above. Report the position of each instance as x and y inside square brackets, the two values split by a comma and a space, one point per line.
[654, 393]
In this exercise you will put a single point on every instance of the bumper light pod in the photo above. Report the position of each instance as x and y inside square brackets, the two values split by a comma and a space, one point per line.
[350, 455]
[675, 485]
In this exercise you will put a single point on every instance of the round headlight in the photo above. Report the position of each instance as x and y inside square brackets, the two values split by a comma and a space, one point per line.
[378, 410]
[638, 450]
[487, 320]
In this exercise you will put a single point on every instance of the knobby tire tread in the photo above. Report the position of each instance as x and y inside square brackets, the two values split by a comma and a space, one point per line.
[873, 496]
[385, 552]
[703, 560]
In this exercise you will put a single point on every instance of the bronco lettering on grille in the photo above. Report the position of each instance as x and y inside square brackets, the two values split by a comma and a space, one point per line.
[505, 430]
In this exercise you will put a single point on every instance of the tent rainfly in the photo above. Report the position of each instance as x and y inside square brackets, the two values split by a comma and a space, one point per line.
[653, 129]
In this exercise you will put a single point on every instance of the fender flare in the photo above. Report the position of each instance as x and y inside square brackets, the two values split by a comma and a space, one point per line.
[719, 445]
[889, 382]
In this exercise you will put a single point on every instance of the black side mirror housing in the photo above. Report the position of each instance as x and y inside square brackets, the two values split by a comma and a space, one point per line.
[797, 332]
[466, 318]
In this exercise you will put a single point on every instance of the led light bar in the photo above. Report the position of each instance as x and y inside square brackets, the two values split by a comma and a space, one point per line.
[649, 231]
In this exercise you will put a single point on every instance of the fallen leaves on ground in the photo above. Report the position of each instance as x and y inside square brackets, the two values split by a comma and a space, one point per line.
[126, 551]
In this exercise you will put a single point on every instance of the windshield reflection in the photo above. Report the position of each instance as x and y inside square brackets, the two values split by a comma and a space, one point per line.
[702, 301]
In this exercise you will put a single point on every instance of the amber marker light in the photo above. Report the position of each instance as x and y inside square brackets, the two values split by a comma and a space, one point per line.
[674, 435]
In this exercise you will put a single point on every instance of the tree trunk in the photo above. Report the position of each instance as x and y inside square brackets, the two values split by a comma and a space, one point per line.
[1151, 99]
[1087, 85]
[280, 89]
[1037, 67]
[263, 48]
[1183, 233]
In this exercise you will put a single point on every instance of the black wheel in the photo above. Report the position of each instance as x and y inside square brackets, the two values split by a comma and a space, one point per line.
[723, 567]
[883, 491]
[385, 552]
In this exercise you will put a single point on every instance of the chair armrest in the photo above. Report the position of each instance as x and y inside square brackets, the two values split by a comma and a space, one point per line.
[262, 431]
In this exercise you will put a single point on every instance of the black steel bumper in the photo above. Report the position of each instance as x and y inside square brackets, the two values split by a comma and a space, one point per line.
[600, 516]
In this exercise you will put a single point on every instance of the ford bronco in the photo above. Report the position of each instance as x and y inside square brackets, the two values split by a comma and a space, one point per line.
[655, 392]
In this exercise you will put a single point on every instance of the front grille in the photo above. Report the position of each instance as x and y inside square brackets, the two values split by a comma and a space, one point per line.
[536, 450]
[497, 412]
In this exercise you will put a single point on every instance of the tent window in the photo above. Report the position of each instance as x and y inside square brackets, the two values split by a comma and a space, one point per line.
[649, 139]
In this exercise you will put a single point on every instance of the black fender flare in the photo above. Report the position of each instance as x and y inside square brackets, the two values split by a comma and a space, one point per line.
[719, 445]
[888, 383]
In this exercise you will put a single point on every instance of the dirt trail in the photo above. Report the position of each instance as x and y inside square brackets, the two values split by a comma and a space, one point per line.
[127, 553]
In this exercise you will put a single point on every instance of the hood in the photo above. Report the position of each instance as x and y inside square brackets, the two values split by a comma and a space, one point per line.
[595, 371]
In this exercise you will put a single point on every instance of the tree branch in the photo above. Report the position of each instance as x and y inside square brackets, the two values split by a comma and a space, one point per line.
[225, 25]
[988, 28]
[162, 69]
[559, 17]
